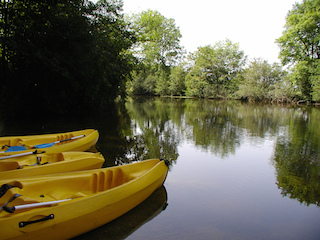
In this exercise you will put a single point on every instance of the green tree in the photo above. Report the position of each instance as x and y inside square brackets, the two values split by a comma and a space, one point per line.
[260, 80]
[144, 80]
[158, 38]
[162, 84]
[315, 79]
[157, 49]
[177, 80]
[299, 46]
[215, 70]
[62, 56]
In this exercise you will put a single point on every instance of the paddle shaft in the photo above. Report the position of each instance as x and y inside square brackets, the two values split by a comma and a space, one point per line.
[33, 205]
[20, 155]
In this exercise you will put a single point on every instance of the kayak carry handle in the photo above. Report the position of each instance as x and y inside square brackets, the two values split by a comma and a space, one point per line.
[23, 224]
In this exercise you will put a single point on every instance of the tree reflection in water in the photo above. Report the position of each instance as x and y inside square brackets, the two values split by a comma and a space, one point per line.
[297, 158]
[159, 125]
[144, 128]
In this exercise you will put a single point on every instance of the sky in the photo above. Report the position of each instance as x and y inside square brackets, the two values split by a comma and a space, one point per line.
[254, 24]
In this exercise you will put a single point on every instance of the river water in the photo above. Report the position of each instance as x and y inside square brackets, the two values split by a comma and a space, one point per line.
[238, 170]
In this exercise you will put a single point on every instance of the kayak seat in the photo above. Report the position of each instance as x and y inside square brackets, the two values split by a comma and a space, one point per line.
[62, 137]
[105, 180]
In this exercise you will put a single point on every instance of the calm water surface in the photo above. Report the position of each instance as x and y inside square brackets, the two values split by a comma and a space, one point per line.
[239, 171]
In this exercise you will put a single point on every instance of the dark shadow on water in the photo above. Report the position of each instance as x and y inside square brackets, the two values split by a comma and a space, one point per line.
[109, 124]
[128, 223]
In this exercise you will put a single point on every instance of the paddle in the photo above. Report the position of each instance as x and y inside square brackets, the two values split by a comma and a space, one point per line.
[16, 148]
[46, 145]
[43, 145]
[21, 154]
[32, 205]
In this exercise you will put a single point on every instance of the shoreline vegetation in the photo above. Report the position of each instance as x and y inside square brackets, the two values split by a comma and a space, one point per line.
[77, 56]
[278, 101]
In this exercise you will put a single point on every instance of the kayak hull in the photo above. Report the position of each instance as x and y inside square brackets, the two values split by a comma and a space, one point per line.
[98, 197]
[28, 166]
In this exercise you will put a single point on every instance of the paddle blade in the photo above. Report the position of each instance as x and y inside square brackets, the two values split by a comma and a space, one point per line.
[16, 149]
[44, 145]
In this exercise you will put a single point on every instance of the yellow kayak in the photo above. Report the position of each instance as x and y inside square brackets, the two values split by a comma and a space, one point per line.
[42, 164]
[62, 206]
[50, 143]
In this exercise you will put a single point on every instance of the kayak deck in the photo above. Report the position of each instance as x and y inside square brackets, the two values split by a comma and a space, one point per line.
[41, 164]
[90, 199]
[73, 185]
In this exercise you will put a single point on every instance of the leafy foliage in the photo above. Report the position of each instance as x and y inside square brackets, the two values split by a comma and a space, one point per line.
[299, 45]
[74, 56]
[62, 56]
[259, 80]
[157, 49]
[215, 69]
[220, 72]
[177, 80]
[157, 38]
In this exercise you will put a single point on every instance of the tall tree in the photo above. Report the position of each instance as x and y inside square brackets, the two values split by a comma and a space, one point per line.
[158, 38]
[215, 70]
[260, 80]
[299, 46]
[157, 49]
[62, 56]
[177, 80]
